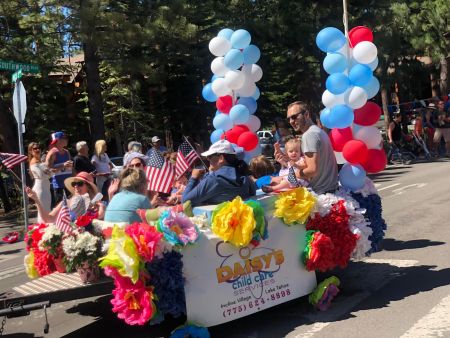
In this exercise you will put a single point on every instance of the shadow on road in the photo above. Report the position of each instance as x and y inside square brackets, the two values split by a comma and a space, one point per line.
[10, 252]
[391, 244]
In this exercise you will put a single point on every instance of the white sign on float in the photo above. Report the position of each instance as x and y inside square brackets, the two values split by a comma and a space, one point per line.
[19, 97]
[224, 282]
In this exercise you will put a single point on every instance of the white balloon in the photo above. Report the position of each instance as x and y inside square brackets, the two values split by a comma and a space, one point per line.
[254, 71]
[220, 88]
[373, 65]
[248, 88]
[365, 52]
[234, 79]
[218, 66]
[355, 97]
[345, 50]
[330, 100]
[371, 136]
[219, 46]
[339, 158]
[253, 123]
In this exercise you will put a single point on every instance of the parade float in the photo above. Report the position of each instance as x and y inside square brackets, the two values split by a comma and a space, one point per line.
[230, 260]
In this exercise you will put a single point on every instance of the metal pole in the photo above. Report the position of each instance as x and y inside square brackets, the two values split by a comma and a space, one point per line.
[22, 165]
[345, 18]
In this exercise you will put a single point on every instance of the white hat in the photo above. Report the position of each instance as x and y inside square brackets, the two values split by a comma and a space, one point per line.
[220, 147]
[155, 139]
[432, 106]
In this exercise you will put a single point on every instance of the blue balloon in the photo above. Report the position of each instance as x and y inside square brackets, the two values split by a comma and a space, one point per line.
[208, 93]
[337, 83]
[239, 114]
[352, 176]
[372, 87]
[233, 59]
[240, 39]
[335, 63]
[330, 39]
[256, 94]
[215, 135]
[226, 33]
[250, 103]
[215, 77]
[251, 54]
[360, 75]
[249, 155]
[325, 118]
[341, 116]
[222, 121]
[218, 112]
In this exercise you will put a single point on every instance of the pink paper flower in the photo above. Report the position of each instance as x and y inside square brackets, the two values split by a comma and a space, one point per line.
[146, 239]
[132, 302]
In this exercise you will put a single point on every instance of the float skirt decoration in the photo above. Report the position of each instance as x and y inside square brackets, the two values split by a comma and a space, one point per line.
[294, 206]
[88, 273]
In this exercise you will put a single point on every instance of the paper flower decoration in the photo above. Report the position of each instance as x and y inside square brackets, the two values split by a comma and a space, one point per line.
[261, 231]
[177, 228]
[122, 255]
[191, 331]
[29, 266]
[146, 239]
[234, 222]
[318, 252]
[133, 302]
[294, 206]
[43, 262]
[324, 293]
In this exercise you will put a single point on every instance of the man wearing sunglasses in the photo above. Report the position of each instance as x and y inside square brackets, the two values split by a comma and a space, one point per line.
[321, 170]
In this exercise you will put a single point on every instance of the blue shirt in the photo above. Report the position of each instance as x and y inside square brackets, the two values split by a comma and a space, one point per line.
[123, 206]
[217, 187]
[58, 162]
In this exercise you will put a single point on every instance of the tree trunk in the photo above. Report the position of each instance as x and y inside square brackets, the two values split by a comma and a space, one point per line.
[443, 76]
[94, 91]
[434, 87]
[9, 142]
[117, 136]
[384, 103]
[4, 196]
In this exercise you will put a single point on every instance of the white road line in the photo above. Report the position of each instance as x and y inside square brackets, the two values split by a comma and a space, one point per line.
[377, 185]
[11, 272]
[418, 185]
[389, 186]
[435, 323]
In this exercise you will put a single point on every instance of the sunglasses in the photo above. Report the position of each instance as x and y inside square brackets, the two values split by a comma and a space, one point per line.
[37, 149]
[136, 165]
[77, 184]
[293, 117]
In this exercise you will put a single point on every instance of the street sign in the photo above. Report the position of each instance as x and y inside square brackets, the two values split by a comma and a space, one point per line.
[19, 97]
[14, 66]
[17, 75]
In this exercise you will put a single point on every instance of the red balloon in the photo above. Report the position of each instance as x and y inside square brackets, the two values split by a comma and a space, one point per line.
[248, 141]
[233, 134]
[355, 152]
[376, 161]
[368, 114]
[359, 34]
[339, 137]
[224, 104]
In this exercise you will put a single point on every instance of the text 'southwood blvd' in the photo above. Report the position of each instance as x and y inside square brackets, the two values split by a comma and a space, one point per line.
[225, 283]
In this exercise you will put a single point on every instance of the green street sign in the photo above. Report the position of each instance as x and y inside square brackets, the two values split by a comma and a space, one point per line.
[17, 75]
[15, 66]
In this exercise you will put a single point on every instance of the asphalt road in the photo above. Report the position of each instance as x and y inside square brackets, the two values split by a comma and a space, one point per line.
[402, 291]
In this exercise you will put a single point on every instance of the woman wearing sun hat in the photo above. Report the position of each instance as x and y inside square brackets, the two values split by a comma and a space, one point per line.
[82, 188]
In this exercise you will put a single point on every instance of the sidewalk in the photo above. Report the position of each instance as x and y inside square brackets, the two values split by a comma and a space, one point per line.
[13, 221]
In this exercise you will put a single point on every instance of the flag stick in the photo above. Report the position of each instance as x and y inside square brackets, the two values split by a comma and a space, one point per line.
[204, 164]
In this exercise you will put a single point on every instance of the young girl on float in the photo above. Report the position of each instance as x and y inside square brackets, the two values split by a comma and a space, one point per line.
[296, 162]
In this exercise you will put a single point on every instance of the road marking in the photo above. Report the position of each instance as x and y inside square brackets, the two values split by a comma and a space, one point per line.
[418, 185]
[435, 323]
[11, 272]
[342, 305]
[377, 185]
[389, 186]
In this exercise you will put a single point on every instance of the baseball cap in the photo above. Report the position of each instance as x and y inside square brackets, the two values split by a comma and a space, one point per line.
[220, 147]
[155, 139]
[431, 106]
[57, 136]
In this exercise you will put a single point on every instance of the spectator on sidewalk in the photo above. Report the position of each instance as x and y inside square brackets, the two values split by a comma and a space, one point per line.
[102, 163]
[81, 161]
[443, 128]
[133, 147]
[156, 142]
[41, 174]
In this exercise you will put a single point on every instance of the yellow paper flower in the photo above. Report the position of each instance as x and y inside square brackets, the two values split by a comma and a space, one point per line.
[294, 206]
[234, 222]
[122, 255]
[29, 266]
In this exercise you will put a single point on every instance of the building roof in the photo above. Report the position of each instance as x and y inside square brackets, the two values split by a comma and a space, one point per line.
[69, 66]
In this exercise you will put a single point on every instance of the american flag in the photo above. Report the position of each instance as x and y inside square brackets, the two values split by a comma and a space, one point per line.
[63, 219]
[292, 179]
[160, 173]
[185, 158]
[11, 160]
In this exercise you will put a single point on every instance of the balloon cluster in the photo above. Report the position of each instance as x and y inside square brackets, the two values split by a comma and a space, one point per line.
[234, 91]
[350, 64]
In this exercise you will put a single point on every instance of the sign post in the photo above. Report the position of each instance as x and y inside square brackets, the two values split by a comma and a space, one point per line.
[20, 109]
